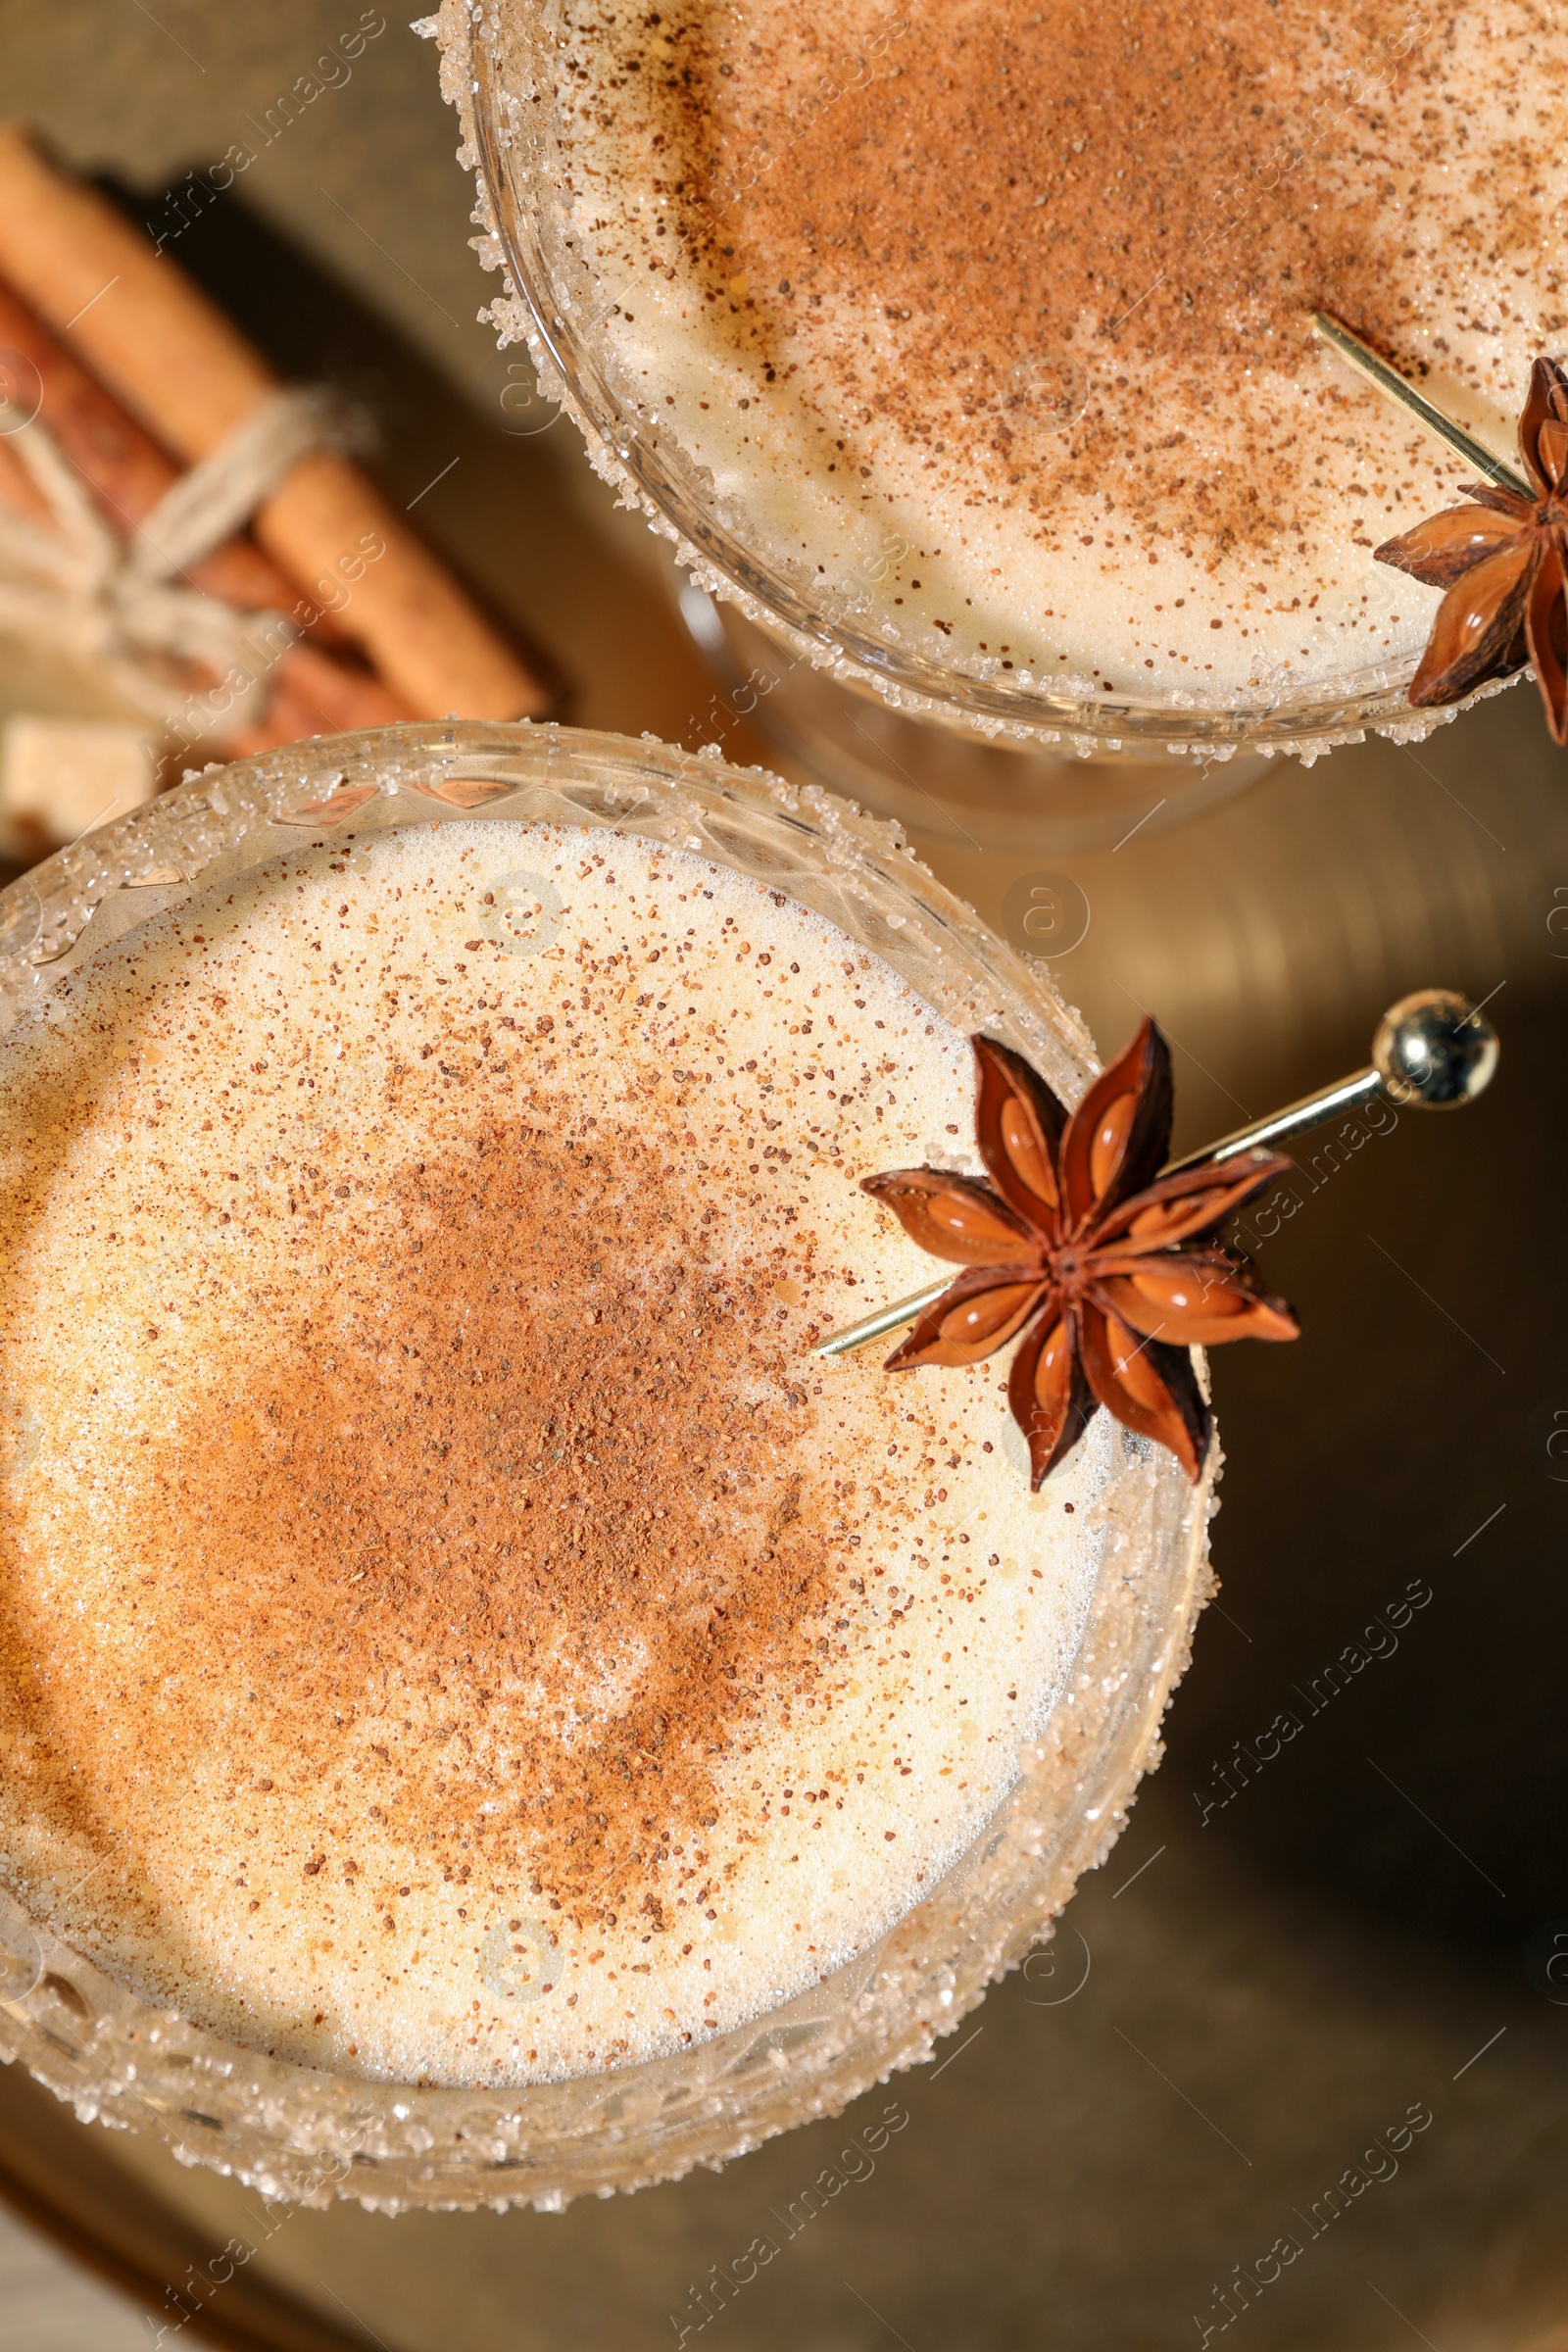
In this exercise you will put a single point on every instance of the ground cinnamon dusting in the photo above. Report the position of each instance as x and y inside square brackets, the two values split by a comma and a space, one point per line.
[1023, 189]
[562, 1476]
[449, 1625]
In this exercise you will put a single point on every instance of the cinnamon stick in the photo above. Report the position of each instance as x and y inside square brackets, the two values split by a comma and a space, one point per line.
[187, 374]
[122, 466]
[313, 691]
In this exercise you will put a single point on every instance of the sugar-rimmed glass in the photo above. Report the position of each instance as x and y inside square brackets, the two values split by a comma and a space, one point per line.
[499, 71]
[306, 2133]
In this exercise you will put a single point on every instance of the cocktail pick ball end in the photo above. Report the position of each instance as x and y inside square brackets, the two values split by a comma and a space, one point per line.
[1434, 1052]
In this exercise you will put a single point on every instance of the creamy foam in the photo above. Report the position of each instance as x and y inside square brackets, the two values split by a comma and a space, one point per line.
[451, 1628]
[991, 323]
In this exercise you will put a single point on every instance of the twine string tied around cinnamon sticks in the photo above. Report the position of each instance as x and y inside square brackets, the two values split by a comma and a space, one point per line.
[76, 588]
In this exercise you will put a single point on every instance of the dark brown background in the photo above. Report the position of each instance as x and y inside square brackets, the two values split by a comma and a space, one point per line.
[1264, 1995]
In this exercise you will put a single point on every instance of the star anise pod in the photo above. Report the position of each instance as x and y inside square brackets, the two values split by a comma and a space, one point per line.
[1107, 1273]
[1503, 559]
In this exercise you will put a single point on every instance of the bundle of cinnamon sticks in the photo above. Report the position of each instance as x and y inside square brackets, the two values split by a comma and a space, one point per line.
[135, 376]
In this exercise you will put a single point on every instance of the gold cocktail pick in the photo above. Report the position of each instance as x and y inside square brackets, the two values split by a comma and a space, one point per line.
[1433, 1051]
[1395, 387]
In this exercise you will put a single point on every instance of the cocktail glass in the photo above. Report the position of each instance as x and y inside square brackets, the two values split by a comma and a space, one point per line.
[828, 627]
[305, 2133]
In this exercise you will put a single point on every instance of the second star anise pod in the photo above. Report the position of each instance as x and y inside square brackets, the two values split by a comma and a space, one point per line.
[1503, 559]
[1105, 1273]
